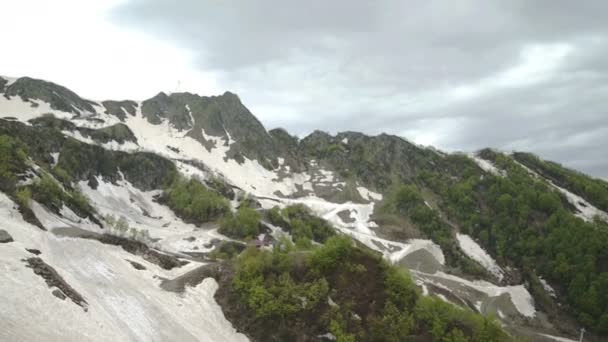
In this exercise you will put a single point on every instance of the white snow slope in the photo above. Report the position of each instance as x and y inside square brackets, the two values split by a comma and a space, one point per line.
[475, 252]
[124, 304]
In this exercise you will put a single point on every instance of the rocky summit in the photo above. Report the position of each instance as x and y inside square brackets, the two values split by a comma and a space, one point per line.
[181, 218]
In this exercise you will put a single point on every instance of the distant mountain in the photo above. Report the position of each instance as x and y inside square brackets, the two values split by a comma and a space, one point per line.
[182, 218]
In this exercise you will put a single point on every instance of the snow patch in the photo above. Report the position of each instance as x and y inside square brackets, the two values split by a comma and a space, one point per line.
[520, 297]
[486, 165]
[550, 290]
[477, 253]
[27, 110]
[558, 338]
[55, 157]
[124, 304]
[586, 211]
[368, 194]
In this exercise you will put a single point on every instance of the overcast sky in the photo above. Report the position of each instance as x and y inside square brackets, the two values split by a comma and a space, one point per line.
[459, 75]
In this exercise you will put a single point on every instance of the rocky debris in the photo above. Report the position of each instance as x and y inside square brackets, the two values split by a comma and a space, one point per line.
[57, 293]
[53, 279]
[5, 237]
[165, 261]
[34, 251]
[190, 239]
[137, 265]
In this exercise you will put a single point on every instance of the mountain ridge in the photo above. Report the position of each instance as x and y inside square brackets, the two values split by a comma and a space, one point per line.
[456, 221]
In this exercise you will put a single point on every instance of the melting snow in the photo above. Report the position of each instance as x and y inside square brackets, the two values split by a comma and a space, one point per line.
[557, 338]
[486, 165]
[369, 195]
[55, 157]
[550, 290]
[520, 297]
[586, 210]
[24, 111]
[124, 304]
[475, 252]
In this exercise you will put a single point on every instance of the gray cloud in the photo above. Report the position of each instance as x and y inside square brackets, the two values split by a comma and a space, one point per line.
[526, 75]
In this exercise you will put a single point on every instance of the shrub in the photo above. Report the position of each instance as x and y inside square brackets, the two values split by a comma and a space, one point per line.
[335, 251]
[47, 191]
[62, 176]
[301, 223]
[245, 223]
[13, 159]
[192, 201]
[24, 197]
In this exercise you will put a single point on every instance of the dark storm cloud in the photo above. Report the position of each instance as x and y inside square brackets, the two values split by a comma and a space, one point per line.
[526, 75]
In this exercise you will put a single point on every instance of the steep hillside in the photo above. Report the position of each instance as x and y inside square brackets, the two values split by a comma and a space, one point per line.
[127, 208]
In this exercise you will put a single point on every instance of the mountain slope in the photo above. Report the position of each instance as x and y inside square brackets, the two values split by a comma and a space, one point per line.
[488, 232]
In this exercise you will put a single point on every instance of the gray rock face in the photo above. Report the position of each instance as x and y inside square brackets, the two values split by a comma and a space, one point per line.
[59, 98]
[53, 279]
[219, 116]
[118, 108]
[5, 237]
[3, 83]
[57, 293]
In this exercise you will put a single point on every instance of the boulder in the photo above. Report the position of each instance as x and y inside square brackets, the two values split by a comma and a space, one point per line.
[5, 237]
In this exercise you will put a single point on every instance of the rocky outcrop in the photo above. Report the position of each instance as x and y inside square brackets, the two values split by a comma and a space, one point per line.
[53, 279]
[3, 83]
[5, 237]
[118, 108]
[221, 116]
[120, 133]
[58, 97]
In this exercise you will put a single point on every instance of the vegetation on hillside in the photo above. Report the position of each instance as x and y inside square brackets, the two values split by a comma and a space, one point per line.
[301, 223]
[44, 189]
[522, 220]
[593, 190]
[194, 202]
[245, 224]
[13, 160]
[406, 200]
[311, 293]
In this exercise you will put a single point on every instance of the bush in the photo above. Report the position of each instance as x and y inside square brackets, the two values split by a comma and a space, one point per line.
[62, 176]
[24, 197]
[193, 202]
[245, 224]
[48, 192]
[301, 223]
[335, 251]
[13, 159]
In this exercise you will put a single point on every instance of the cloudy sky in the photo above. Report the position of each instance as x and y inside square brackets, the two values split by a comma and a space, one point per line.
[459, 75]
